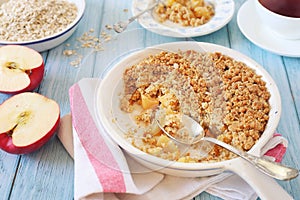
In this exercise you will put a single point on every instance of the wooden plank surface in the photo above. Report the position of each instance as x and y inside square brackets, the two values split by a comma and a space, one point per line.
[48, 173]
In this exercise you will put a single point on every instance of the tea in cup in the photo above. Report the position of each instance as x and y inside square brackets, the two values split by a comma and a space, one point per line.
[281, 16]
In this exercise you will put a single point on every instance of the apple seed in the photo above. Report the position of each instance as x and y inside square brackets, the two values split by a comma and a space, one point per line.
[11, 65]
[22, 119]
[16, 67]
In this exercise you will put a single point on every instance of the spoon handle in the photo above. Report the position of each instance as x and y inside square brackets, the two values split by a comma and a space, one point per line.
[141, 13]
[273, 169]
[122, 25]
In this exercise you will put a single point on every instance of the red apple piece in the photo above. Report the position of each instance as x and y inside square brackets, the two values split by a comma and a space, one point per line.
[27, 121]
[21, 69]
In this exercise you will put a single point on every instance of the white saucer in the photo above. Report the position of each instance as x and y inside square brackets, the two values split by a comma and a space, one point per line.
[248, 22]
[224, 10]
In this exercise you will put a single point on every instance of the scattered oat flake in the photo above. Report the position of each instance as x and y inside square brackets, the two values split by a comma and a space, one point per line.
[69, 52]
[87, 40]
[76, 62]
[125, 10]
[108, 27]
[103, 33]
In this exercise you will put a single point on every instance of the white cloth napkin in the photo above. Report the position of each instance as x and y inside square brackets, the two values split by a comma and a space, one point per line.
[103, 171]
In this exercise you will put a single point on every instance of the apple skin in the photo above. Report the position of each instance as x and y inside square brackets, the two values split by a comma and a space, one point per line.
[35, 75]
[7, 145]
[6, 140]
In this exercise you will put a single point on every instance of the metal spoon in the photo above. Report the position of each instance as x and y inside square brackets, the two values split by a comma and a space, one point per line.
[196, 134]
[122, 25]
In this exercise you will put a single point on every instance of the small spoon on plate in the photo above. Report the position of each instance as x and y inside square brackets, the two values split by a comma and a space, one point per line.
[120, 26]
[192, 133]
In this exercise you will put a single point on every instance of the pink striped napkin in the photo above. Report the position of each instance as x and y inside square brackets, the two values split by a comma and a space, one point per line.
[104, 171]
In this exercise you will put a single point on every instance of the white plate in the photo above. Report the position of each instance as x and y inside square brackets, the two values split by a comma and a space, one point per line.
[224, 10]
[248, 22]
[117, 122]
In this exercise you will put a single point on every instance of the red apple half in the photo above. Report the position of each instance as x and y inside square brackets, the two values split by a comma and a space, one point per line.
[21, 69]
[27, 121]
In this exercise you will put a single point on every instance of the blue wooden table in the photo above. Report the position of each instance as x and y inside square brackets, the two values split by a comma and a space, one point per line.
[48, 173]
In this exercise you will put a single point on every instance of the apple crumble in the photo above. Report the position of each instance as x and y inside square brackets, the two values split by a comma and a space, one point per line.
[185, 12]
[224, 95]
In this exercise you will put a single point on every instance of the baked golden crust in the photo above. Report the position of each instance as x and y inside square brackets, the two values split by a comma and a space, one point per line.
[224, 95]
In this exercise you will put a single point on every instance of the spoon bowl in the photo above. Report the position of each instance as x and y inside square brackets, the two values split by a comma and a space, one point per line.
[192, 133]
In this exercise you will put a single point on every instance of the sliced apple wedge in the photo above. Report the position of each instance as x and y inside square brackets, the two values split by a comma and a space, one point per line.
[21, 69]
[27, 121]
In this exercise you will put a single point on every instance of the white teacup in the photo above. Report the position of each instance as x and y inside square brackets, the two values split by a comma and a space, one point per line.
[283, 26]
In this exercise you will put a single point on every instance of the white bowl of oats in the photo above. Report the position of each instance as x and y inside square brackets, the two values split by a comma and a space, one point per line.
[40, 25]
[228, 93]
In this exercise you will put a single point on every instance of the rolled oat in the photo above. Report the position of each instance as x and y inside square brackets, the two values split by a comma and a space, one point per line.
[26, 20]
